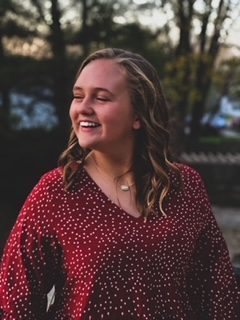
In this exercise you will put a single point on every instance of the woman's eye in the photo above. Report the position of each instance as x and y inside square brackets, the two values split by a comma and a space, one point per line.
[102, 98]
[78, 98]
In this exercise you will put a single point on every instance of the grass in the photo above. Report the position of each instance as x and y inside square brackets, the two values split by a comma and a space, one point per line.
[219, 140]
[215, 144]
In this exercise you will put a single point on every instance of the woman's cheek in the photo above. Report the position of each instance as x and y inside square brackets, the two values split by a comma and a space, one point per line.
[72, 112]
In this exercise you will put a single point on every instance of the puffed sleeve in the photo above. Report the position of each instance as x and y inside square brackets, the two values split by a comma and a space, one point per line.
[213, 288]
[30, 261]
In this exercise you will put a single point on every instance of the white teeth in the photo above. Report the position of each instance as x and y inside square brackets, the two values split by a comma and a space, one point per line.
[88, 124]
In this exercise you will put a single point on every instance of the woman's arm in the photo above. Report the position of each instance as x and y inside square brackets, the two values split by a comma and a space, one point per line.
[29, 263]
[212, 284]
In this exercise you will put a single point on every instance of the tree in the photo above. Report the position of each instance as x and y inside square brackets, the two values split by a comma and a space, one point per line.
[207, 59]
[227, 78]
[191, 70]
[12, 15]
[97, 25]
[55, 36]
[58, 45]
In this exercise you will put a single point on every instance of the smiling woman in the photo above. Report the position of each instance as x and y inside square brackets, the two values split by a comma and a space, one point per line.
[118, 229]
[101, 111]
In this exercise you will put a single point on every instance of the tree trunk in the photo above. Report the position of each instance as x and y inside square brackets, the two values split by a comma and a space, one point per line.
[184, 14]
[205, 68]
[205, 21]
[85, 40]
[203, 83]
[61, 89]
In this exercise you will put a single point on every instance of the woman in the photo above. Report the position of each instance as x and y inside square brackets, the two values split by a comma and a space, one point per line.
[119, 230]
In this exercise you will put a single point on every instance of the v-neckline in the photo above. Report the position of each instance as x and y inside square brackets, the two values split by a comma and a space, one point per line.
[99, 189]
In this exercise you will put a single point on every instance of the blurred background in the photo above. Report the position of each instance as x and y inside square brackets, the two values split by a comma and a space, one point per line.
[194, 45]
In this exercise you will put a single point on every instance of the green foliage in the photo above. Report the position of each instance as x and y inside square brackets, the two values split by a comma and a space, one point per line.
[79, 27]
[177, 80]
[226, 78]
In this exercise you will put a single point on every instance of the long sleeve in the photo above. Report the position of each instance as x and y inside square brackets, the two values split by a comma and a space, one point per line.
[213, 288]
[25, 276]
[106, 264]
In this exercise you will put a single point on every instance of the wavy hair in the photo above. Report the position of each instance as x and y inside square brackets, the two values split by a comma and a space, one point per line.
[152, 162]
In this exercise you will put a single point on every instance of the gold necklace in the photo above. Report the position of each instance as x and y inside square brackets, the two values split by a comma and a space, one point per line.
[123, 187]
[126, 187]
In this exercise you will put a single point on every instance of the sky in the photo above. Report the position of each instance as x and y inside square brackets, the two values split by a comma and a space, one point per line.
[156, 19]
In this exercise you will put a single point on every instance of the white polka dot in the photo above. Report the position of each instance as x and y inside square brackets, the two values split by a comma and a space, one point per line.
[106, 264]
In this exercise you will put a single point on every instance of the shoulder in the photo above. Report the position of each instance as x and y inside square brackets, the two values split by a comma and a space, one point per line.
[189, 174]
[192, 194]
[52, 176]
[49, 184]
[42, 200]
[191, 181]
[50, 179]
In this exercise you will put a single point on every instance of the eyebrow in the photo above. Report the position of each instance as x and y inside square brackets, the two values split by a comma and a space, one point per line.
[77, 88]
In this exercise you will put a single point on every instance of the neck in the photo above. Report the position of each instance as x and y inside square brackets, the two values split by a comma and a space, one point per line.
[115, 178]
[114, 166]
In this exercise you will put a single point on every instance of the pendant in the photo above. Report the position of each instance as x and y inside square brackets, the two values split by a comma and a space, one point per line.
[124, 187]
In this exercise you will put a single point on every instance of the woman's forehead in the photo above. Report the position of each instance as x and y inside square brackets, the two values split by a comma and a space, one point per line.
[102, 73]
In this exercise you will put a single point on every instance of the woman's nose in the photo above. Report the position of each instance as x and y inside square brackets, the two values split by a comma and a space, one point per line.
[85, 106]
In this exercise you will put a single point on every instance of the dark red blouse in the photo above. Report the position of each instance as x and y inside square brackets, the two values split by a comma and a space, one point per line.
[106, 264]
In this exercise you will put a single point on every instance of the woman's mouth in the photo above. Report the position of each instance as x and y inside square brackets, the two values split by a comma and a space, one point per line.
[88, 124]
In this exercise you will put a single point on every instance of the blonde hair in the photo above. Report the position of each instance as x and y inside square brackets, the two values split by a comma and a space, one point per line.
[152, 164]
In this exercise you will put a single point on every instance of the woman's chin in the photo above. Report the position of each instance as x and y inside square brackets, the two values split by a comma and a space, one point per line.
[87, 144]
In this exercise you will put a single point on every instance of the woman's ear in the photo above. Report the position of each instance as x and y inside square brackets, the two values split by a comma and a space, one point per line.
[136, 123]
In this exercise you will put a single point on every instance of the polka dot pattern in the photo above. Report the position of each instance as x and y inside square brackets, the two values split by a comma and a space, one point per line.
[107, 264]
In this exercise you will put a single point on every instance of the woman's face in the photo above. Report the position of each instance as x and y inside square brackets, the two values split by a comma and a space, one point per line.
[101, 111]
